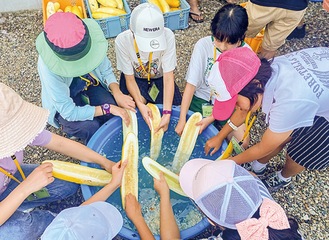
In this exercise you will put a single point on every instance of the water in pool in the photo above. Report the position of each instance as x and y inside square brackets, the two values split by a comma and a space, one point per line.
[185, 213]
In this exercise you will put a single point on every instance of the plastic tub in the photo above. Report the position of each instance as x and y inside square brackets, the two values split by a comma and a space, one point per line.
[108, 140]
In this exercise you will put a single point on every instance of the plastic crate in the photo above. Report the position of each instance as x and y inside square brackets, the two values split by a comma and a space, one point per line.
[112, 26]
[63, 3]
[176, 19]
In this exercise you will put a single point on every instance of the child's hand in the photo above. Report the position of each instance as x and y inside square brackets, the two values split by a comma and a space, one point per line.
[133, 208]
[146, 114]
[121, 112]
[125, 101]
[205, 122]
[117, 172]
[213, 144]
[164, 123]
[161, 185]
[39, 178]
[180, 126]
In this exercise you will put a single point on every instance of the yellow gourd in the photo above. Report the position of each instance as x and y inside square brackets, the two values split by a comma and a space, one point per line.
[108, 3]
[164, 6]
[99, 15]
[68, 8]
[110, 10]
[175, 9]
[93, 4]
[50, 9]
[77, 11]
[57, 6]
[156, 3]
[173, 3]
[120, 4]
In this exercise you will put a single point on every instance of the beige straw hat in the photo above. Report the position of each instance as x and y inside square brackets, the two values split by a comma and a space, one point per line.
[20, 121]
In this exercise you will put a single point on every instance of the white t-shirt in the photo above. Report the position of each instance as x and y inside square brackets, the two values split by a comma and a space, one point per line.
[201, 62]
[162, 61]
[298, 89]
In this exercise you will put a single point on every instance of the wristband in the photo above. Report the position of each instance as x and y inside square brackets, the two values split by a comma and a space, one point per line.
[232, 125]
[106, 108]
[166, 111]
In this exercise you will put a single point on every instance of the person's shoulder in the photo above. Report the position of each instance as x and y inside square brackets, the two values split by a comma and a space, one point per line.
[169, 32]
[205, 41]
[125, 35]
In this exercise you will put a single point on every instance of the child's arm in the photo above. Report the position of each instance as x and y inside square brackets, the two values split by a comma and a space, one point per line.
[168, 226]
[134, 213]
[186, 102]
[77, 150]
[106, 191]
[39, 178]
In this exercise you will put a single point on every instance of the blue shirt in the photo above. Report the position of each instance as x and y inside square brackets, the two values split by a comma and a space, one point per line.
[55, 92]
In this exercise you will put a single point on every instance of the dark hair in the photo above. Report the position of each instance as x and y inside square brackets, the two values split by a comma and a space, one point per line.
[257, 85]
[274, 234]
[230, 24]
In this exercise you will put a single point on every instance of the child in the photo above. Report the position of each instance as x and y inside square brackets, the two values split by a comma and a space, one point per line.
[295, 102]
[168, 226]
[228, 29]
[78, 85]
[230, 197]
[94, 219]
[146, 56]
[22, 124]
[237, 79]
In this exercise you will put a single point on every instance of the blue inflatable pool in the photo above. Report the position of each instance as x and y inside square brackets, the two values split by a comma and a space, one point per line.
[108, 141]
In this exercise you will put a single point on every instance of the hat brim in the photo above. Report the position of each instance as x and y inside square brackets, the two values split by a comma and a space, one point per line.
[113, 216]
[223, 110]
[188, 173]
[21, 130]
[152, 44]
[84, 65]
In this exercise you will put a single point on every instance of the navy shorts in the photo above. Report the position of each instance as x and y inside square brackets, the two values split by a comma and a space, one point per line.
[309, 146]
[144, 87]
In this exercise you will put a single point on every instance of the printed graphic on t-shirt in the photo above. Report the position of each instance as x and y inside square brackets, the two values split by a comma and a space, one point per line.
[142, 72]
[306, 66]
[210, 63]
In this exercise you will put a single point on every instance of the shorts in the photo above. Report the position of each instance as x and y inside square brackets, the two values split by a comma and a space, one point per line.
[309, 146]
[196, 106]
[278, 23]
[144, 87]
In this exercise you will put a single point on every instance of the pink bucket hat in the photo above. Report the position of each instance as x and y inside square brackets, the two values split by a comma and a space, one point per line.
[71, 47]
[231, 72]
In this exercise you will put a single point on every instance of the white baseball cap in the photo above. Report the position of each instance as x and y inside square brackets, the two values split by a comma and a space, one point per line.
[147, 24]
[96, 221]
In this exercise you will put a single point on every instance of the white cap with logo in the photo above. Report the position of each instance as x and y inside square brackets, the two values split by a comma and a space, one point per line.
[147, 24]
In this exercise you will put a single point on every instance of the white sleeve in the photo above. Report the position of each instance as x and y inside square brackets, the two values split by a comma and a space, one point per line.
[124, 62]
[169, 59]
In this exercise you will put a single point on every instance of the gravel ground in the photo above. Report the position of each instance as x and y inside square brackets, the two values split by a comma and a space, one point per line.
[307, 200]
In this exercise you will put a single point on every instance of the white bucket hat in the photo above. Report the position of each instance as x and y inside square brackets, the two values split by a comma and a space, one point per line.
[20, 121]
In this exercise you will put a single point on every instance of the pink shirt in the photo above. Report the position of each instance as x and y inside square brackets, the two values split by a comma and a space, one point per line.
[8, 164]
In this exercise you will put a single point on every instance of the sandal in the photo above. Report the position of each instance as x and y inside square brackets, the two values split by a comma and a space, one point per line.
[191, 14]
